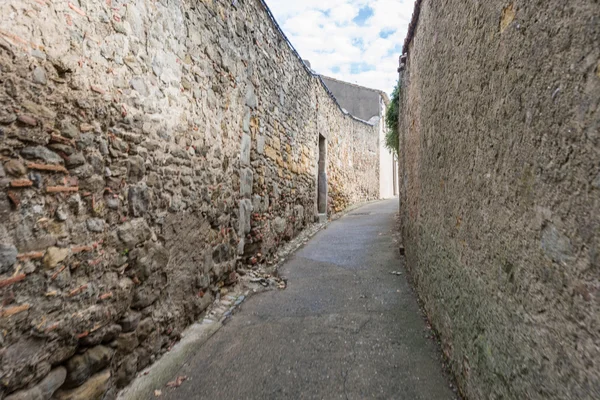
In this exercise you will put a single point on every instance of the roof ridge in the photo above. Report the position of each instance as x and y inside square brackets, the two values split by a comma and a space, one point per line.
[354, 84]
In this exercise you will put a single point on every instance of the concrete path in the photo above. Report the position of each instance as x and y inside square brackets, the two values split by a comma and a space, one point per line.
[345, 328]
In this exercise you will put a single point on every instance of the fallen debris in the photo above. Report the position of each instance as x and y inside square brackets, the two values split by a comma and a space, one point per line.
[262, 278]
[177, 382]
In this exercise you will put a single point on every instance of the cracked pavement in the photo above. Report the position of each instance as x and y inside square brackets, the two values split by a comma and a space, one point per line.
[345, 327]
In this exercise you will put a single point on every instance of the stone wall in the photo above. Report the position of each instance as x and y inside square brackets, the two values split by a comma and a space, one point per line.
[369, 105]
[500, 191]
[147, 148]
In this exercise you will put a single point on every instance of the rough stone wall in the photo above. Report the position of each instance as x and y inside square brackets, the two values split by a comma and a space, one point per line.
[501, 191]
[147, 148]
[369, 105]
[352, 155]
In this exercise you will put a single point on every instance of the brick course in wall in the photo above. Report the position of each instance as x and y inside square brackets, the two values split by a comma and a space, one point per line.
[147, 148]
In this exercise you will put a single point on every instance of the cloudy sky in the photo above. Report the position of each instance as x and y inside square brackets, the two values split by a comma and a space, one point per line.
[358, 41]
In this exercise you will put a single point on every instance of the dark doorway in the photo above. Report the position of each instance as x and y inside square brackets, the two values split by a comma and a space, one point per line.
[322, 184]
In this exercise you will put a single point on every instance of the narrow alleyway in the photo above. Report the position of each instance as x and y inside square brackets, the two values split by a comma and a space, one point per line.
[345, 328]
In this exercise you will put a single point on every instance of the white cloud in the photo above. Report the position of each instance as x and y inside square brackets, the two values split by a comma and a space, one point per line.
[328, 34]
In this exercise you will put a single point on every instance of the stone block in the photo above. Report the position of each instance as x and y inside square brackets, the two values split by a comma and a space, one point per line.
[75, 160]
[251, 100]
[245, 217]
[41, 153]
[279, 225]
[246, 182]
[245, 150]
[127, 369]
[127, 342]
[95, 225]
[134, 232]
[103, 335]
[81, 367]
[246, 123]
[136, 169]
[139, 200]
[556, 245]
[54, 256]
[8, 257]
[130, 321]
[43, 390]
[39, 75]
[270, 152]
[143, 297]
[15, 168]
[93, 389]
[260, 144]
[144, 328]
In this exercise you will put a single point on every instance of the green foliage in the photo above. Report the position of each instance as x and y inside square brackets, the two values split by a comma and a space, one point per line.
[392, 137]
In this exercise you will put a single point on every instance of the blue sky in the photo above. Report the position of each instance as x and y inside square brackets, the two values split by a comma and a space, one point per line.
[358, 41]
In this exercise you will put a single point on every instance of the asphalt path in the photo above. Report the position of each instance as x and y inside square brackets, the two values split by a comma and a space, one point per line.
[345, 327]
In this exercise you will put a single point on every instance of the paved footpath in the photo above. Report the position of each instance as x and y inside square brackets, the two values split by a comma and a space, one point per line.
[345, 327]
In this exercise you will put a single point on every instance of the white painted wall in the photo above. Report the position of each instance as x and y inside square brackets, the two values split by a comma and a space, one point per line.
[387, 165]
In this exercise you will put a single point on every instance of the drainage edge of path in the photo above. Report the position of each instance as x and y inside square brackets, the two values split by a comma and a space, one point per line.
[156, 376]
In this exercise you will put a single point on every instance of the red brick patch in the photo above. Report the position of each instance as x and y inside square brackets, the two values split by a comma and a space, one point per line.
[30, 256]
[60, 189]
[14, 198]
[55, 275]
[52, 327]
[81, 249]
[98, 89]
[12, 280]
[27, 119]
[20, 183]
[8, 312]
[106, 296]
[77, 291]
[76, 9]
[59, 139]
[82, 335]
[86, 127]
[95, 262]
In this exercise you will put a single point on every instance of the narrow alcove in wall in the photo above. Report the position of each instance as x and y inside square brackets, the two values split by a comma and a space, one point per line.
[322, 184]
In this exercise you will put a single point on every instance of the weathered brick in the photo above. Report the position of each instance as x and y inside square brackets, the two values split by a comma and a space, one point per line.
[61, 189]
[27, 119]
[46, 167]
[12, 280]
[10, 311]
[77, 291]
[21, 183]
[30, 256]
